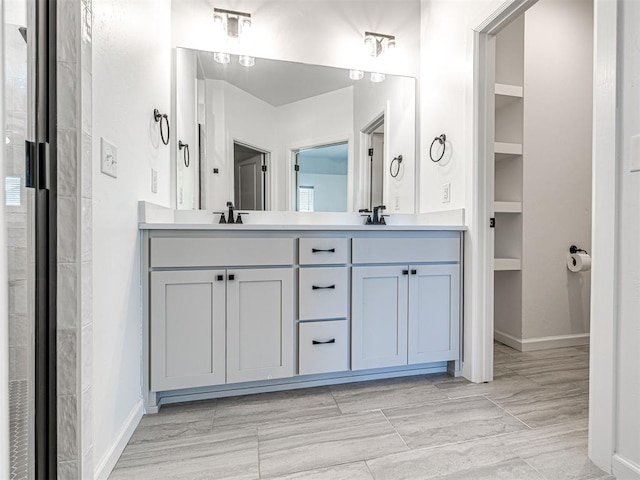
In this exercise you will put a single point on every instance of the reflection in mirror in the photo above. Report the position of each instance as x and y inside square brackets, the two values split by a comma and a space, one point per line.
[321, 178]
[291, 136]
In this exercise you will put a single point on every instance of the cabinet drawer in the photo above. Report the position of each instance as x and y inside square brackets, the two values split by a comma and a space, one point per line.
[206, 252]
[323, 293]
[436, 248]
[323, 251]
[323, 347]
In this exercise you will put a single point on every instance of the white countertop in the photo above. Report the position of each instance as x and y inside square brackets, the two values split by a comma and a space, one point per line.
[295, 227]
[155, 217]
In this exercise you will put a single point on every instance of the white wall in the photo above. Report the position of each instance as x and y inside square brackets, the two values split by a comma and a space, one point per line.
[314, 31]
[558, 91]
[187, 190]
[131, 77]
[628, 354]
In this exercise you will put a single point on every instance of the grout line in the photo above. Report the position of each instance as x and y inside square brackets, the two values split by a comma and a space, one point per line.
[511, 414]
[258, 452]
[395, 429]
[369, 469]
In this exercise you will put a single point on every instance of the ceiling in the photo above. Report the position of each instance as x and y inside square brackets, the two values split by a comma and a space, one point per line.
[273, 81]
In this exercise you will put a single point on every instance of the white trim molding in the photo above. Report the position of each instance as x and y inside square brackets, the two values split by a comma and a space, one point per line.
[625, 469]
[542, 343]
[108, 462]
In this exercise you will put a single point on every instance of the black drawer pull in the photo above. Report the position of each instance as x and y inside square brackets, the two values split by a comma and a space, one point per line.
[318, 342]
[219, 278]
[330, 287]
[405, 272]
[232, 277]
[414, 272]
[318, 250]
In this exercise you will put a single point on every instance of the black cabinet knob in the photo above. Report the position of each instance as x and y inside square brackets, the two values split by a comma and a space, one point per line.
[219, 278]
[232, 277]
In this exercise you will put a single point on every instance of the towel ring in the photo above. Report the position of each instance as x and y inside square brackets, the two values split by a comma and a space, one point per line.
[158, 118]
[185, 153]
[441, 140]
[397, 160]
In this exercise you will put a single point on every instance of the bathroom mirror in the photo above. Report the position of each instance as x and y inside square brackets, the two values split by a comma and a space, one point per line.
[275, 135]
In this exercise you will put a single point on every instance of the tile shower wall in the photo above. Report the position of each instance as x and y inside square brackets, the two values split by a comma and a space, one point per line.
[75, 327]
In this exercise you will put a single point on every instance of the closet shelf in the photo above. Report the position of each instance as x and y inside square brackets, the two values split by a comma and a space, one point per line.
[506, 94]
[505, 151]
[507, 207]
[506, 264]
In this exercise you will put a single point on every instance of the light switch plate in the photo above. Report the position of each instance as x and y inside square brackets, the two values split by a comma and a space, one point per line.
[635, 153]
[154, 181]
[108, 158]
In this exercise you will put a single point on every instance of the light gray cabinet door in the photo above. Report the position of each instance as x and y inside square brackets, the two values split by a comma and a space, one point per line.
[259, 324]
[379, 317]
[187, 329]
[434, 313]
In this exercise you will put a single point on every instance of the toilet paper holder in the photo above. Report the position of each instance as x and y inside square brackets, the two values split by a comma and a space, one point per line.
[574, 249]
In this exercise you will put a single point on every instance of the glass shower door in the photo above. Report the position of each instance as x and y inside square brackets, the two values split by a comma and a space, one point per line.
[20, 215]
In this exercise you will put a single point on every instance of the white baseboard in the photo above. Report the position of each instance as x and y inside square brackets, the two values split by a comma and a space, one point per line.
[108, 462]
[625, 469]
[541, 343]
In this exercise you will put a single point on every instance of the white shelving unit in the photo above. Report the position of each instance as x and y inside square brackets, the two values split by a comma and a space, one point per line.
[507, 207]
[507, 264]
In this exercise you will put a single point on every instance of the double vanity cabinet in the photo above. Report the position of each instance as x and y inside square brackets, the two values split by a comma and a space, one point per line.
[249, 309]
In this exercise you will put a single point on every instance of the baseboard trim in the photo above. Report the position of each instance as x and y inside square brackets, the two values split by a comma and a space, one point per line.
[541, 343]
[110, 459]
[625, 469]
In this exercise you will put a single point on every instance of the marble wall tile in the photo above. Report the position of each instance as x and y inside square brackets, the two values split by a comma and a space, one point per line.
[68, 21]
[67, 163]
[86, 373]
[18, 297]
[86, 230]
[68, 82]
[67, 229]
[86, 101]
[19, 327]
[68, 427]
[68, 470]
[86, 166]
[86, 302]
[86, 421]
[67, 296]
[19, 361]
[67, 362]
[17, 263]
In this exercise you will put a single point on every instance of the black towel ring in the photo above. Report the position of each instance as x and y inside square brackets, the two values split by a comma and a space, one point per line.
[158, 118]
[397, 159]
[185, 152]
[441, 140]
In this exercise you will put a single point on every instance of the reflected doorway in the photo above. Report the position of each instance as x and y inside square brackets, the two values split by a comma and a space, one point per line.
[322, 178]
[249, 177]
[373, 167]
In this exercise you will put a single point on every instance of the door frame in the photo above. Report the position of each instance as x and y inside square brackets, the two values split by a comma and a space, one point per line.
[479, 323]
[267, 177]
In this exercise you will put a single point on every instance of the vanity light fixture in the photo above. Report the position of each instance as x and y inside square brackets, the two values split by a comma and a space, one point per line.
[246, 61]
[221, 57]
[356, 74]
[379, 43]
[232, 23]
[377, 77]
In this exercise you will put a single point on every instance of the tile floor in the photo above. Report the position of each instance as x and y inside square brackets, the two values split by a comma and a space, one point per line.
[530, 423]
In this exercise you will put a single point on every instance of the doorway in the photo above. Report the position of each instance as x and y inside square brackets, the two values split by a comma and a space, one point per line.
[249, 177]
[29, 143]
[373, 163]
[321, 180]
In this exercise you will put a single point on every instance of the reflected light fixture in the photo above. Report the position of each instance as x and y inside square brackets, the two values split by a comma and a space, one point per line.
[221, 57]
[231, 23]
[356, 74]
[377, 77]
[246, 61]
[379, 43]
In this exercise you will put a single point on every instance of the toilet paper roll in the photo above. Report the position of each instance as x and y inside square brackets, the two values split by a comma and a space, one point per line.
[578, 262]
